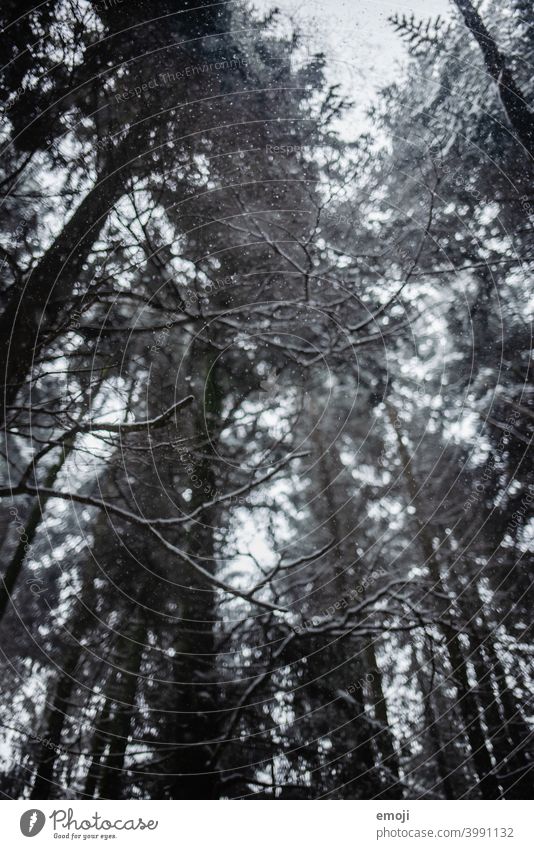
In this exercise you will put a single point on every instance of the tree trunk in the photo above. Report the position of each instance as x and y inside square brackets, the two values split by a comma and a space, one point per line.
[35, 307]
[50, 749]
[512, 98]
[515, 767]
[384, 741]
[98, 749]
[122, 712]
[433, 731]
[467, 702]
[14, 568]
[196, 722]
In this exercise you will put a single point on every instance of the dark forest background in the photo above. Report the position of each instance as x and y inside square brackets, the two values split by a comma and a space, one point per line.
[267, 408]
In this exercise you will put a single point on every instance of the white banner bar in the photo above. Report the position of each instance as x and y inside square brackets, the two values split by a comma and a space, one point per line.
[302, 825]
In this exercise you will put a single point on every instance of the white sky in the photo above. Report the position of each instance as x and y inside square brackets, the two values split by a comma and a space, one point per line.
[364, 53]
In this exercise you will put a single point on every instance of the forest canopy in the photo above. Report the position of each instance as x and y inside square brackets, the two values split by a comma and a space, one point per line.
[267, 407]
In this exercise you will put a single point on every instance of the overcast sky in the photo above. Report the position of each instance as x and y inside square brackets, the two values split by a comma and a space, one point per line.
[363, 50]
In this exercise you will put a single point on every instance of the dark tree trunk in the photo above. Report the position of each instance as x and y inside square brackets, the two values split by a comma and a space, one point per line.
[97, 752]
[445, 785]
[36, 306]
[384, 741]
[513, 99]
[467, 703]
[515, 767]
[197, 725]
[43, 787]
[14, 568]
[122, 713]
